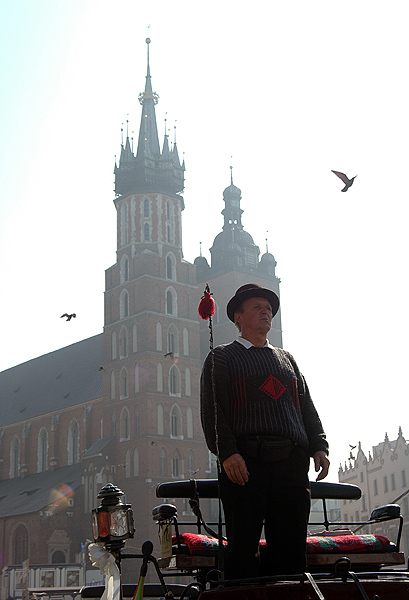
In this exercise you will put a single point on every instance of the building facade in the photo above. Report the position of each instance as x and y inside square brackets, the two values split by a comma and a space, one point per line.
[122, 406]
[383, 476]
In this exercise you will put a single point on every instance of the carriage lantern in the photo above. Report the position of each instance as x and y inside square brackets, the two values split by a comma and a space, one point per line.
[112, 522]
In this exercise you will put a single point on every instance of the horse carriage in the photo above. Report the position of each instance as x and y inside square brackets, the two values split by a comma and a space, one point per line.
[341, 564]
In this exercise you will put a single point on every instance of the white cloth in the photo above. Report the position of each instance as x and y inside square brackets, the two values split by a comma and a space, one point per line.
[104, 560]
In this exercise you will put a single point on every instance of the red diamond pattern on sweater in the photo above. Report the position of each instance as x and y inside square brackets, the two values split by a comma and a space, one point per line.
[272, 387]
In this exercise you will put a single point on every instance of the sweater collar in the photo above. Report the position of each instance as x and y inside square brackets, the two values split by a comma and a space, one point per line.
[249, 345]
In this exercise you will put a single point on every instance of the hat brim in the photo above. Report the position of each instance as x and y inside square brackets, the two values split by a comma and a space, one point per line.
[239, 298]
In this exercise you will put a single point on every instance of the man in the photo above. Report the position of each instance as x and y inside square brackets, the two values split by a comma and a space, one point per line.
[259, 420]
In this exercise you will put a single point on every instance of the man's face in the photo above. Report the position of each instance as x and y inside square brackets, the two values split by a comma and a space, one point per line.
[256, 316]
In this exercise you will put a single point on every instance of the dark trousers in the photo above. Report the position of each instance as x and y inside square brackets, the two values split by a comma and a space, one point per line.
[277, 496]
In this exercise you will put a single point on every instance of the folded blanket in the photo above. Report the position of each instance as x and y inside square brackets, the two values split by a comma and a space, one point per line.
[205, 545]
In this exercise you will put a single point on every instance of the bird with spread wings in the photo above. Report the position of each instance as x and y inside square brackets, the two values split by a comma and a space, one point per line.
[344, 178]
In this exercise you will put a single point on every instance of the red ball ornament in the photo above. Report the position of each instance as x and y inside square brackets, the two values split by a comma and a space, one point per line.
[206, 308]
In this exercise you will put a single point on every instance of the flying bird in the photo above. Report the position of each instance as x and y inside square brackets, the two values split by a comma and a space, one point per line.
[170, 354]
[69, 317]
[344, 178]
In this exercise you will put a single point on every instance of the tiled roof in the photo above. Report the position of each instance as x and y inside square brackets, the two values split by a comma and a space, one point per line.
[52, 382]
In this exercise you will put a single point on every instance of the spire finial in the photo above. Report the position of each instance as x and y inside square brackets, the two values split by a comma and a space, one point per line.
[174, 129]
[127, 128]
[166, 118]
[200, 244]
[148, 41]
[267, 242]
[231, 174]
[122, 135]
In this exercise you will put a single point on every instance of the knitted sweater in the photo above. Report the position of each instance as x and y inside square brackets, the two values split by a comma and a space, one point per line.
[259, 391]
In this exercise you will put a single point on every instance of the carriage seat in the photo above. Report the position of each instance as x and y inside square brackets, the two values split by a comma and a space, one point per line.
[195, 551]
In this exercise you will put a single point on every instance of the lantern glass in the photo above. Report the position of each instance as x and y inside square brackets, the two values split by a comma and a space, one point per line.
[103, 524]
[94, 525]
[118, 522]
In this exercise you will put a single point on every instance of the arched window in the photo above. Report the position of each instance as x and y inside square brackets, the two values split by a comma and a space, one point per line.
[20, 545]
[112, 385]
[136, 463]
[58, 558]
[124, 305]
[159, 337]
[134, 338]
[73, 443]
[185, 342]
[113, 345]
[188, 385]
[177, 465]
[127, 464]
[159, 377]
[171, 266]
[146, 233]
[173, 340]
[171, 302]
[42, 450]
[146, 208]
[174, 381]
[124, 269]
[136, 422]
[161, 429]
[163, 460]
[123, 384]
[189, 422]
[123, 343]
[136, 378]
[113, 424]
[176, 422]
[190, 463]
[15, 458]
[124, 427]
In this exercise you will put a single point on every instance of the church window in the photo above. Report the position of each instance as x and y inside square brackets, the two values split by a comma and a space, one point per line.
[146, 233]
[161, 428]
[123, 384]
[385, 484]
[173, 340]
[73, 443]
[176, 422]
[136, 463]
[113, 345]
[124, 269]
[20, 545]
[123, 343]
[159, 377]
[42, 450]
[185, 342]
[113, 424]
[127, 464]
[171, 266]
[168, 234]
[158, 337]
[58, 558]
[177, 465]
[136, 378]
[146, 208]
[188, 385]
[134, 338]
[124, 425]
[168, 211]
[171, 302]
[403, 478]
[163, 460]
[375, 487]
[363, 502]
[190, 463]
[174, 381]
[112, 385]
[393, 484]
[189, 422]
[136, 423]
[15, 458]
[124, 305]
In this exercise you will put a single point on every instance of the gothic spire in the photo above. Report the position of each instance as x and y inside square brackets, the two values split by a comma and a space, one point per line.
[148, 143]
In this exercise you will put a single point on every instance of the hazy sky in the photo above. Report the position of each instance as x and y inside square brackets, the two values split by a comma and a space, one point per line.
[284, 92]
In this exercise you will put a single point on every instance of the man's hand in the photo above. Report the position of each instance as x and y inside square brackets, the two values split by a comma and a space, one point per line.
[236, 469]
[321, 462]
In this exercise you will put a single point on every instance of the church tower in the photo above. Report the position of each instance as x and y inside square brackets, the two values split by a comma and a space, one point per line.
[235, 260]
[151, 334]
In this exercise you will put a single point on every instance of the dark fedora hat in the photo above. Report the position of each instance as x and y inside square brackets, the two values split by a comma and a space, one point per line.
[251, 290]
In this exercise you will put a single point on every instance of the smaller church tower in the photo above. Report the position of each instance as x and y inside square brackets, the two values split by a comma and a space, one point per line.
[235, 260]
